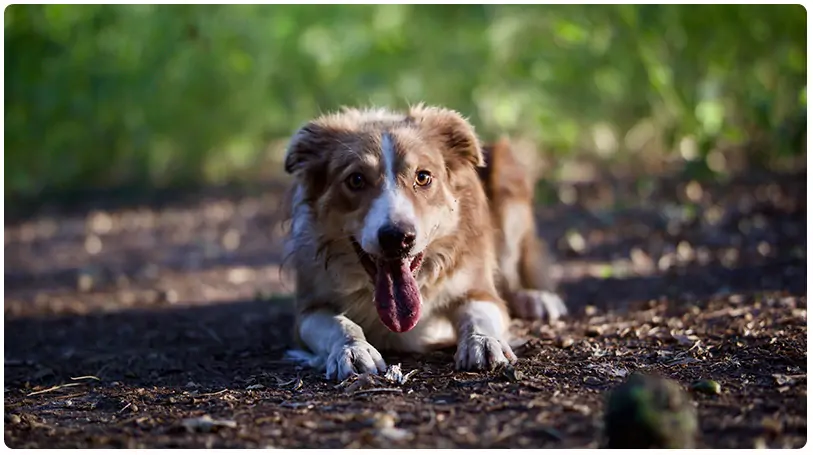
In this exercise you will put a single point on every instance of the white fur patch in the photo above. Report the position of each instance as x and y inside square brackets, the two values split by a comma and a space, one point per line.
[338, 345]
[322, 332]
[481, 343]
[391, 206]
[485, 317]
[432, 330]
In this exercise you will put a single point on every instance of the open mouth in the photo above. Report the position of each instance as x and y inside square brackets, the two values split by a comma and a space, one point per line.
[371, 264]
[397, 296]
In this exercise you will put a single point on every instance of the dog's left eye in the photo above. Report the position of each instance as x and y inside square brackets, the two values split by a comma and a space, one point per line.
[355, 181]
[423, 178]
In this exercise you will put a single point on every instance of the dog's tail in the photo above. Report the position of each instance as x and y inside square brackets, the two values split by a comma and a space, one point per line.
[503, 175]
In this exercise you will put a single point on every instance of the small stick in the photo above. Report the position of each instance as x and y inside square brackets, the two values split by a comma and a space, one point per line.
[213, 393]
[85, 377]
[376, 390]
[56, 387]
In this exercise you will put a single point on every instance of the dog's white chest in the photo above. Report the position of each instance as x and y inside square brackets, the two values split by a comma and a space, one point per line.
[433, 329]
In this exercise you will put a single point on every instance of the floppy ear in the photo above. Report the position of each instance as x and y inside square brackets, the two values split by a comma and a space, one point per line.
[461, 144]
[307, 148]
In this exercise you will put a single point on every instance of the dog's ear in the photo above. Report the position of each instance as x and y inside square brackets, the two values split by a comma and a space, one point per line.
[308, 147]
[456, 134]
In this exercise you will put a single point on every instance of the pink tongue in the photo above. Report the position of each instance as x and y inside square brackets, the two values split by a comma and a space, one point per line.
[397, 296]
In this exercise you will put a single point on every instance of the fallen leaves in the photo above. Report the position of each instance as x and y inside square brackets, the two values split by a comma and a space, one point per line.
[370, 383]
[395, 375]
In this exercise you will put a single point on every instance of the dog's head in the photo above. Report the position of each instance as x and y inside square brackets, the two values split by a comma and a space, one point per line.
[385, 183]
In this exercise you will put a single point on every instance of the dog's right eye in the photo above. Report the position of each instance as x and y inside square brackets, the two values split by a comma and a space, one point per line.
[355, 181]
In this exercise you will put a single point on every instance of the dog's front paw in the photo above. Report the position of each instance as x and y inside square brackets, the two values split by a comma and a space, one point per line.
[355, 357]
[480, 352]
[534, 304]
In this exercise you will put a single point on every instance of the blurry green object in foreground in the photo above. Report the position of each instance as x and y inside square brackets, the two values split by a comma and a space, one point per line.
[649, 412]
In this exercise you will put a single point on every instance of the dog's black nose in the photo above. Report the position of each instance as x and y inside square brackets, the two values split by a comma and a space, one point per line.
[396, 239]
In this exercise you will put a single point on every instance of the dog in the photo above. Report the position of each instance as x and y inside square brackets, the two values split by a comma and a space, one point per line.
[393, 241]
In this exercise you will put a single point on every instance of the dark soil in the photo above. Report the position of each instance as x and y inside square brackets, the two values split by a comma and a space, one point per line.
[180, 310]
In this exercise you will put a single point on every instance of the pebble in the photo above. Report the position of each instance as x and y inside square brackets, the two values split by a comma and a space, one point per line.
[565, 343]
[707, 387]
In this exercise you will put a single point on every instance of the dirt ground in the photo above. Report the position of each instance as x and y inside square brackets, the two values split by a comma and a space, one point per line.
[123, 320]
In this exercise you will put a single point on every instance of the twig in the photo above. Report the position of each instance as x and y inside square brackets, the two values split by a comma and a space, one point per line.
[124, 408]
[56, 387]
[85, 377]
[213, 393]
[377, 390]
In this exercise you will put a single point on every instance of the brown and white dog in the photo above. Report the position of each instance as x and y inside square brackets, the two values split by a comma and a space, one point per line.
[394, 245]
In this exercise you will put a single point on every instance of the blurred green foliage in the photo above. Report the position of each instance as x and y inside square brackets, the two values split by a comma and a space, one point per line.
[103, 95]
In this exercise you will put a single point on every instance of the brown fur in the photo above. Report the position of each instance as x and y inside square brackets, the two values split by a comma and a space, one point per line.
[327, 148]
[460, 244]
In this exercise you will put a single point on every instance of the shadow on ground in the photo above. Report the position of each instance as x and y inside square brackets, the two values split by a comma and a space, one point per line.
[174, 344]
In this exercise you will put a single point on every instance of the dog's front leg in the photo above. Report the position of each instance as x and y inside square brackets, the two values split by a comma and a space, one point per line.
[342, 342]
[481, 343]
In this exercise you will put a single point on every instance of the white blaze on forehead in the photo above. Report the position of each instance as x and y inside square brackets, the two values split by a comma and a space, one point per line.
[391, 206]
[388, 160]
